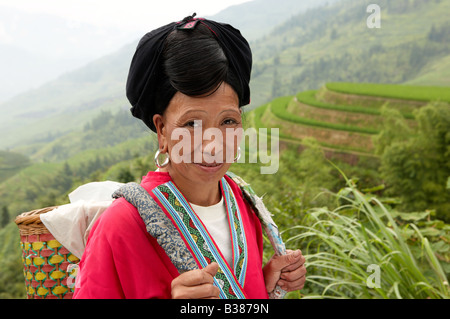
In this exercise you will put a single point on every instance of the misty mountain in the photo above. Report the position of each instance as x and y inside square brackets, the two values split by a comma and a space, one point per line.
[257, 18]
[334, 43]
[36, 48]
[68, 102]
[22, 69]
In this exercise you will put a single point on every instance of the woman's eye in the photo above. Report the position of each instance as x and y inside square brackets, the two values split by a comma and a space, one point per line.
[192, 124]
[229, 122]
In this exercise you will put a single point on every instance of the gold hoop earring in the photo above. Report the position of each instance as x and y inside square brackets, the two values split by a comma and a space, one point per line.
[166, 161]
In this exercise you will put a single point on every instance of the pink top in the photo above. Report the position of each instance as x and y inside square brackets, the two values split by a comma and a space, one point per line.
[122, 260]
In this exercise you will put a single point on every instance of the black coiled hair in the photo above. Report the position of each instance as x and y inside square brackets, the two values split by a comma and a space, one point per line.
[194, 64]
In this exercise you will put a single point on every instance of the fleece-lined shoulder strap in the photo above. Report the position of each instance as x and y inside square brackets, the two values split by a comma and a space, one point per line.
[158, 225]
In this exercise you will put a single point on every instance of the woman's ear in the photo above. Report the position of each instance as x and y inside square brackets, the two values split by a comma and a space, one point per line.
[158, 121]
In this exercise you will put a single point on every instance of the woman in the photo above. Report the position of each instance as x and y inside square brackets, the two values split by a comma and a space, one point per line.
[189, 77]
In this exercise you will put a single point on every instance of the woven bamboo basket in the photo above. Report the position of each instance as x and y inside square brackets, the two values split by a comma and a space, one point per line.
[45, 260]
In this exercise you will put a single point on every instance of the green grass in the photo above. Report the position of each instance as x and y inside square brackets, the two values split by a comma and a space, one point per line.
[279, 109]
[404, 92]
[341, 244]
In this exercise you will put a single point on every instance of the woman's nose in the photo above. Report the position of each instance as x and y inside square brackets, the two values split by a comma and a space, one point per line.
[212, 150]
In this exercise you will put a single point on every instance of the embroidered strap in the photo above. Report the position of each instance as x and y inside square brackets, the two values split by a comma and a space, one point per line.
[202, 245]
[238, 238]
[158, 225]
[267, 222]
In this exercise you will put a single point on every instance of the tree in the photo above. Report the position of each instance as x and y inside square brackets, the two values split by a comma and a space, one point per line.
[125, 175]
[299, 58]
[62, 181]
[67, 170]
[276, 86]
[436, 35]
[394, 129]
[417, 169]
[333, 34]
[49, 199]
[309, 174]
[4, 218]
[276, 60]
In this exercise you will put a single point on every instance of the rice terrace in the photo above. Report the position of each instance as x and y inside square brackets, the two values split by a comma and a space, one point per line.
[344, 116]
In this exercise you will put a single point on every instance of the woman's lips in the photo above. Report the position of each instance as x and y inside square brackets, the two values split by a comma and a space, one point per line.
[210, 168]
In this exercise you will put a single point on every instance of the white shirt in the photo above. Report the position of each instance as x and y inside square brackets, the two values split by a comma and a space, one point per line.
[215, 220]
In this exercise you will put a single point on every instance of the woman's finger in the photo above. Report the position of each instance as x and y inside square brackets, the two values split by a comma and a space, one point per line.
[196, 284]
[295, 274]
[211, 269]
[198, 276]
[204, 291]
[297, 264]
[292, 285]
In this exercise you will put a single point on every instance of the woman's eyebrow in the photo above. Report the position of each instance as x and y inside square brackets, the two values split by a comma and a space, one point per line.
[230, 110]
[194, 111]
[202, 111]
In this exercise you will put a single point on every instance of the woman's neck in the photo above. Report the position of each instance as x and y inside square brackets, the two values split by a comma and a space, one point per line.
[201, 194]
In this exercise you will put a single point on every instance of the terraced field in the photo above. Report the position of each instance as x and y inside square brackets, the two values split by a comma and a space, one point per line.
[343, 117]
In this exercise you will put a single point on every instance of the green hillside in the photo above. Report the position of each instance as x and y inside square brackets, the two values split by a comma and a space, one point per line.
[436, 72]
[107, 129]
[67, 103]
[11, 163]
[334, 44]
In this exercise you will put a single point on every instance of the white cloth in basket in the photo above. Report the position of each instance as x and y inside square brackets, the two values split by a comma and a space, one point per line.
[70, 224]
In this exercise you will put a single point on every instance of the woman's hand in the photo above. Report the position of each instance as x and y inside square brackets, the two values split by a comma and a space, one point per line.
[196, 284]
[287, 271]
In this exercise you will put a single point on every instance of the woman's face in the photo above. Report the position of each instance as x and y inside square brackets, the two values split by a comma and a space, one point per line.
[201, 134]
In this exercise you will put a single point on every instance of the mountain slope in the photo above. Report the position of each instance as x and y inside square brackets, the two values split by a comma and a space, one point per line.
[334, 44]
[436, 72]
[68, 102]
